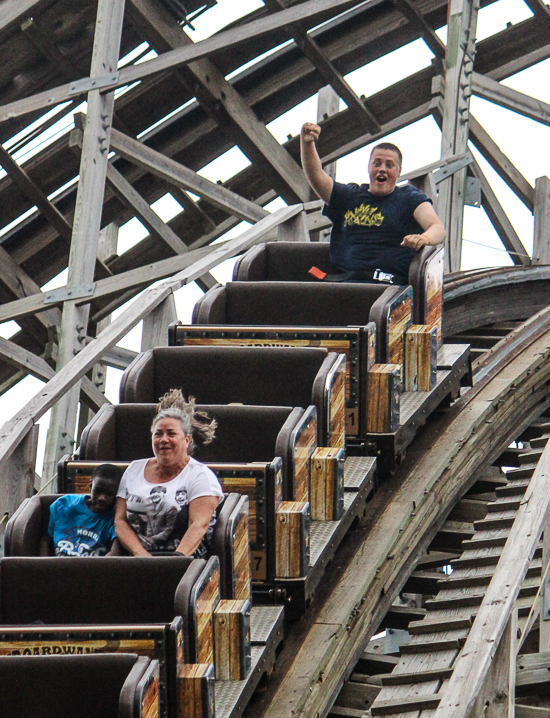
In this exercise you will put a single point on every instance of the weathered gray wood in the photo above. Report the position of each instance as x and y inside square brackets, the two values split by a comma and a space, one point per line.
[13, 12]
[175, 173]
[308, 12]
[328, 104]
[461, 26]
[522, 711]
[514, 100]
[35, 194]
[87, 220]
[544, 620]
[219, 96]
[500, 221]
[155, 325]
[13, 431]
[473, 664]
[432, 40]
[541, 244]
[496, 699]
[18, 473]
[330, 74]
[501, 164]
[295, 229]
[147, 216]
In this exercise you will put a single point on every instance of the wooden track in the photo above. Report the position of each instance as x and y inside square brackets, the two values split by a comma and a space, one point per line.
[513, 388]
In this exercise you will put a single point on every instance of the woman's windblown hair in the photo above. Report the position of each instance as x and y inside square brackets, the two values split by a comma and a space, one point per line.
[195, 423]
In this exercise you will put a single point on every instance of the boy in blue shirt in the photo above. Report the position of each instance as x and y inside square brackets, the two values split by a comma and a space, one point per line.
[83, 525]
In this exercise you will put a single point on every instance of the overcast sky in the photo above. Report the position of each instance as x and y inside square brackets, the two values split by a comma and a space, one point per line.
[526, 143]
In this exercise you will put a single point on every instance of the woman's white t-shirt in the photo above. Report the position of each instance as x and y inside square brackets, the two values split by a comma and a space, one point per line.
[159, 513]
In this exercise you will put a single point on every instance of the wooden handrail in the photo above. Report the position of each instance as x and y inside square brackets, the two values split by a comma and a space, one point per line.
[472, 666]
[14, 431]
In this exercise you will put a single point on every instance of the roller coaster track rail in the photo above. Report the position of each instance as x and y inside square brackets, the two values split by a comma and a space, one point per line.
[511, 390]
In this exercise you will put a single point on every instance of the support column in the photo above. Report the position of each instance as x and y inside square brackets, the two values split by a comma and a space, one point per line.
[87, 222]
[155, 325]
[459, 65]
[497, 697]
[328, 104]
[18, 473]
[107, 247]
[541, 243]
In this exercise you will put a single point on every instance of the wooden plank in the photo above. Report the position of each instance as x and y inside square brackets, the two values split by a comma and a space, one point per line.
[35, 194]
[501, 163]
[384, 388]
[147, 216]
[195, 690]
[472, 666]
[17, 427]
[307, 12]
[432, 40]
[541, 245]
[500, 221]
[87, 221]
[220, 97]
[354, 608]
[514, 100]
[15, 11]
[175, 173]
[461, 44]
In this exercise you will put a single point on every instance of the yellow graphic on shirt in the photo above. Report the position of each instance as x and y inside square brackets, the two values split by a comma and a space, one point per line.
[364, 216]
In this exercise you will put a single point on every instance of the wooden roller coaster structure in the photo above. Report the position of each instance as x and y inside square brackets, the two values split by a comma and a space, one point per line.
[424, 531]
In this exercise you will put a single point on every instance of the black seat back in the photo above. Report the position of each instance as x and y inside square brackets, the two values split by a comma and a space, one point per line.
[64, 686]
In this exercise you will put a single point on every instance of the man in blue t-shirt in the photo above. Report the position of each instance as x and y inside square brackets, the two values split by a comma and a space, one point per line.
[377, 228]
[83, 525]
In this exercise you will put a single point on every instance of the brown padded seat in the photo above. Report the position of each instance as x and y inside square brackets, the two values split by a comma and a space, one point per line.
[263, 376]
[92, 591]
[245, 433]
[283, 261]
[70, 686]
[291, 304]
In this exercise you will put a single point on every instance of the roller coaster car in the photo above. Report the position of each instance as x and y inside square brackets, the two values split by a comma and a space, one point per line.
[93, 686]
[160, 607]
[363, 321]
[261, 452]
[29, 524]
[291, 262]
[244, 434]
[246, 375]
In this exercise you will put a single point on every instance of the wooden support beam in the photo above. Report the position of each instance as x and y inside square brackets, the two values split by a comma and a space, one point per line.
[472, 665]
[330, 74]
[222, 101]
[494, 91]
[155, 325]
[35, 194]
[147, 216]
[14, 12]
[308, 12]
[328, 104]
[501, 164]
[193, 209]
[13, 431]
[500, 221]
[18, 472]
[462, 21]
[41, 38]
[175, 173]
[541, 244]
[87, 221]
[430, 37]
[539, 9]
[497, 697]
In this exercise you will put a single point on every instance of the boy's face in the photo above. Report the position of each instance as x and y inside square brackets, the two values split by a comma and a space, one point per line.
[102, 495]
[384, 171]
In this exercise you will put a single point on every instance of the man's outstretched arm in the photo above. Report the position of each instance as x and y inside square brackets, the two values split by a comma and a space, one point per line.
[433, 232]
[319, 180]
